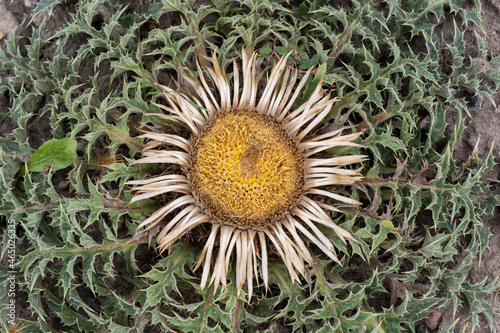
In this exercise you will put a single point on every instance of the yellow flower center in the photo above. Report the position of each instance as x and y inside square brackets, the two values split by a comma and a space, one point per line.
[245, 170]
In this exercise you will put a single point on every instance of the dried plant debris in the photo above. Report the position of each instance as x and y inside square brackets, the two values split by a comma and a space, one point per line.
[361, 220]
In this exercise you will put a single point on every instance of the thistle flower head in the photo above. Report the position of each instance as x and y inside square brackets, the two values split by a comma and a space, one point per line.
[249, 169]
[245, 170]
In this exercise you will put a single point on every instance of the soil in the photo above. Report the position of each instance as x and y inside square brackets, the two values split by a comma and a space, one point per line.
[482, 133]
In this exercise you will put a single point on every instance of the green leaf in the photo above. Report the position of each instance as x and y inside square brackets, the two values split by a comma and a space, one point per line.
[57, 154]
[265, 51]
[45, 6]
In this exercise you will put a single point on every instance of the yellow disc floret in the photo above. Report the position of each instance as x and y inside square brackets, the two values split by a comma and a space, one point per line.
[245, 170]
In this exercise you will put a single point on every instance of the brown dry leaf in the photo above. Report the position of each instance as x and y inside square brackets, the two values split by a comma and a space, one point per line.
[399, 169]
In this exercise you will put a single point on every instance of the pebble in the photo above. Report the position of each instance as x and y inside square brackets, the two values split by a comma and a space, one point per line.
[432, 321]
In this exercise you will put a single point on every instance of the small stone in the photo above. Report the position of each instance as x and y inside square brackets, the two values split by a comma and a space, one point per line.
[62, 185]
[432, 320]
[7, 19]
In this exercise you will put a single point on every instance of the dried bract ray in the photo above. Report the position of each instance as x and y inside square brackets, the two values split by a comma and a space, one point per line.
[102, 160]
[249, 169]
